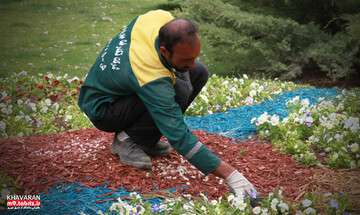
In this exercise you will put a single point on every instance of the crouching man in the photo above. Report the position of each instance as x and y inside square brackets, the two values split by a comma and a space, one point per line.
[139, 87]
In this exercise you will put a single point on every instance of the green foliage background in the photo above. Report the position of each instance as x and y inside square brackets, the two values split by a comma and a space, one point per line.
[239, 39]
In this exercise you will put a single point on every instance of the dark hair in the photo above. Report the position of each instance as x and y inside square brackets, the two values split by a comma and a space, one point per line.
[175, 31]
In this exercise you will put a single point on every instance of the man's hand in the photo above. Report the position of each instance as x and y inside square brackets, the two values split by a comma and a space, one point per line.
[240, 186]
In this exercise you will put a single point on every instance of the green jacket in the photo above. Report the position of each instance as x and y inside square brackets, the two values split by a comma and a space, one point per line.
[130, 64]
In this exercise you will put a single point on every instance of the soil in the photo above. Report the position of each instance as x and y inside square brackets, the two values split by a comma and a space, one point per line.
[317, 78]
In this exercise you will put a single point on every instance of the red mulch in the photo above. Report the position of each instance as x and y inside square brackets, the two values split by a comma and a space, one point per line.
[84, 156]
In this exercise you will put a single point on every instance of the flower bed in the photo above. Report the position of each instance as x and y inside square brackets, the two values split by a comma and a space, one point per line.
[222, 93]
[48, 104]
[273, 204]
[39, 104]
[327, 132]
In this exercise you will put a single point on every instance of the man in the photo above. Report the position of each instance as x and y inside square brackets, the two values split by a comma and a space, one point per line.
[139, 88]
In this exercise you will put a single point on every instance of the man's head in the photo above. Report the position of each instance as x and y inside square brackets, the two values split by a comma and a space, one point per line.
[180, 43]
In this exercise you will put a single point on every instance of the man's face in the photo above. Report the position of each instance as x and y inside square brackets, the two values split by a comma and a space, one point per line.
[183, 55]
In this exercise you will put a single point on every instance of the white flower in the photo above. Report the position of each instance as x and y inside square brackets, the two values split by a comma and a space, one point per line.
[50, 75]
[56, 106]
[44, 109]
[2, 126]
[204, 197]
[245, 76]
[306, 203]
[253, 120]
[305, 102]
[294, 100]
[338, 137]
[241, 81]
[274, 203]
[354, 147]
[233, 89]
[274, 120]
[308, 121]
[48, 102]
[117, 206]
[335, 156]
[325, 122]
[230, 197]
[7, 110]
[313, 139]
[18, 117]
[205, 98]
[67, 118]
[261, 88]
[3, 94]
[352, 123]
[299, 213]
[285, 120]
[256, 210]
[32, 106]
[39, 123]
[264, 211]
[99, 212]
[213, 202]
[19, 102]
[310, 210]
[240, 204]
[254, 85]
[252, 93]
[22, 73]
[189, 206]
[28, 119]
[226, 82]
[203, 208]
[249, 100]
[237, 202]
[283, 207]
[263, 119]
[135, 195]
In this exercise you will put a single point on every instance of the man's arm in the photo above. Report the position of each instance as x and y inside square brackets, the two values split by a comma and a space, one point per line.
[158, 97]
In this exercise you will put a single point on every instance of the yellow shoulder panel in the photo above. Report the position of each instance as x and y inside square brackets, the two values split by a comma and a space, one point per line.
[144, 58]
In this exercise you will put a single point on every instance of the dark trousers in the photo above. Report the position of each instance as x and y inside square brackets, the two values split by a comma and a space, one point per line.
[129, 114]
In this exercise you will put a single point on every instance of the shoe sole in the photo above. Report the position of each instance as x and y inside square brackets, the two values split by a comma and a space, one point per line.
[158, 153]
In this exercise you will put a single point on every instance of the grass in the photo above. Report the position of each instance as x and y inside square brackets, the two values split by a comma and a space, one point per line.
[62, 36]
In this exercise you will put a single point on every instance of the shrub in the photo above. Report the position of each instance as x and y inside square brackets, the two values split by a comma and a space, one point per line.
[236, 41]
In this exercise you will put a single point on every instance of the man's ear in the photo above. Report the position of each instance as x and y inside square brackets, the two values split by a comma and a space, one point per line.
[164, 52]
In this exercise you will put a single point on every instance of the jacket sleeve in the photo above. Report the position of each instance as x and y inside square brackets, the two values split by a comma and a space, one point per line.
[159, 99]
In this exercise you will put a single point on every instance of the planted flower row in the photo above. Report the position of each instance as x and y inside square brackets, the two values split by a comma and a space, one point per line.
[273, 204]
[48, 104]
[327, 132]
[39, 104]
[222, 93]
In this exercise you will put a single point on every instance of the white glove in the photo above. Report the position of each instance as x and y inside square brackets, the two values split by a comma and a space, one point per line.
[240, 186]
